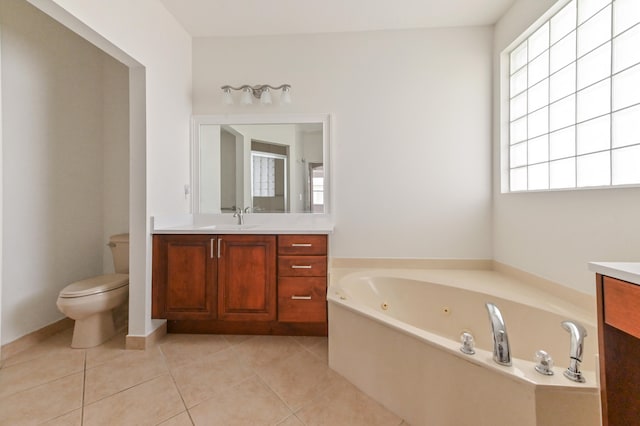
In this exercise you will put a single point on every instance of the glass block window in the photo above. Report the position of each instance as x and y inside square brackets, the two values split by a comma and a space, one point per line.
[574, 99]
[264, 176]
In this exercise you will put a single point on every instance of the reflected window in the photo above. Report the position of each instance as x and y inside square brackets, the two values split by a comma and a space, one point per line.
[264, 175]
[316, 190]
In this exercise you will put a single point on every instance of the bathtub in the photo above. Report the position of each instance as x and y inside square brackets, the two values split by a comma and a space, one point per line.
[395, 334]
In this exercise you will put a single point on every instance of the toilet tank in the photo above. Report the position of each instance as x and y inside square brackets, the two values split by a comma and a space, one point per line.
[120, 251]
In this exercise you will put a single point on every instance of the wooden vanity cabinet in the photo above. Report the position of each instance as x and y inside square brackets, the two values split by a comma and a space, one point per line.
[241, 284]
[184, 277]
[619, 347]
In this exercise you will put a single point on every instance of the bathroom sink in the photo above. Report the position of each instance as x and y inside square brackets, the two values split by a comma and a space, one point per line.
[229, 227]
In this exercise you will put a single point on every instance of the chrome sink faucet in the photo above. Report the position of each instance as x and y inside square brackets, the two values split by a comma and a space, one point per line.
[578, 333]
[239, 213]
[501, 351]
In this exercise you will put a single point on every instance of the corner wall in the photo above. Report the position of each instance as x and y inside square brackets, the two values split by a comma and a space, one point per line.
[555, 234]
[410, 160]
[52, 166]
[144, 36]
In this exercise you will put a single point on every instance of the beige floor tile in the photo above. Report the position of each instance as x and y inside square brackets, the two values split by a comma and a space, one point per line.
[181, 349]
[249, 403]
[107, 351]
[148, 403]
[344, 404]
[40, 370]
[292, 420]
[235, 339]
[127, 370]
[317, 345]
[264, 350]
[42, 403]
[203, 378]
[321, 350]
[299, 378]
[181, 419]
[310, 341]
[73, 418]
[59, 342]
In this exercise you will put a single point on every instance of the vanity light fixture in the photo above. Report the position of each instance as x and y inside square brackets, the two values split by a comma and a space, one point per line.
[260, 91]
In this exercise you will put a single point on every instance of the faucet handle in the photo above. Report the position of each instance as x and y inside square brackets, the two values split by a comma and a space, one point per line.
[467, 343]
[544, 363]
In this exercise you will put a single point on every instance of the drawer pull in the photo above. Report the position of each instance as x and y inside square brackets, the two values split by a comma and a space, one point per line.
[300, 266]
[301, 245]
[300, 297]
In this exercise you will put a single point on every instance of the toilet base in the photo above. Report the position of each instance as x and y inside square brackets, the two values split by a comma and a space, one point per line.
[93, 330]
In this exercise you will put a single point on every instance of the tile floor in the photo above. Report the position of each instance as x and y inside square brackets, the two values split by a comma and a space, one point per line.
[184, 380]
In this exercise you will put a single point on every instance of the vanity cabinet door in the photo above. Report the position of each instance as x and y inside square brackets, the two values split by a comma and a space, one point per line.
[619, 347]
[247, 278]
[184, 277]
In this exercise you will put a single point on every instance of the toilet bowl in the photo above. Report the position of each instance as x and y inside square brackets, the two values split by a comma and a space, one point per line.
[90, 302]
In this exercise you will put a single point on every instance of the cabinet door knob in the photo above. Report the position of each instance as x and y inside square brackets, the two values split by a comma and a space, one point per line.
[301, 245]
[300, 297]
[300, 266]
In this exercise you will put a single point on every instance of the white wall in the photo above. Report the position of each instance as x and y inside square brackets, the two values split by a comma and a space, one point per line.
[411, 162]
[115, 137]
[555, 234]
[143, 35]
[53, 164]
[1, 194]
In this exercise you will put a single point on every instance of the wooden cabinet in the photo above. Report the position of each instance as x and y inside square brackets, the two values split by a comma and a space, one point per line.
[184, 277]
[241, 284]
[619, 347]
[302, 278]
[247, 277]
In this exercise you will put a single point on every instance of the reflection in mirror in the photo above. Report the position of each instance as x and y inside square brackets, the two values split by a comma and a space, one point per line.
[267, 167]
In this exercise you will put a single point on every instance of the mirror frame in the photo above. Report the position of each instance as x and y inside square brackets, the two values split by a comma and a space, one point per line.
[198, 120]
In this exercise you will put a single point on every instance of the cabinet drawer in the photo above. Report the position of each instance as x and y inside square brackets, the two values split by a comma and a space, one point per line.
[302, 266]
[302, 299]
[302, 244]
[621, 302]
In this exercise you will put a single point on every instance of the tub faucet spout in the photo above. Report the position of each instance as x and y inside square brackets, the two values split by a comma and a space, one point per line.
[578, 333]
[501, 351]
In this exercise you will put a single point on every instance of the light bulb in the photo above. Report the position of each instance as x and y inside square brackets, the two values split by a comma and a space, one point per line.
[285, 98]
[227, 98]
[265, 97]
[246, 96]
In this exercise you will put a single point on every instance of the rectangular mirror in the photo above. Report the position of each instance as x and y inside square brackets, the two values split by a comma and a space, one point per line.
[260, 163]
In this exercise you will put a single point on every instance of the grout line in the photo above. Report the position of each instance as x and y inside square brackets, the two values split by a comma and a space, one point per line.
[173, 379]
[291, 412]
[84, 387]
[128, 388]
[37, 384]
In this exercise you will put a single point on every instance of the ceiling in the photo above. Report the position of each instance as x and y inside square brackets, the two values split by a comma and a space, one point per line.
[212, 18]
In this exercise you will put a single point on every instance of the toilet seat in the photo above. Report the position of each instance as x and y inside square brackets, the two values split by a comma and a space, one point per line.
[95, 285]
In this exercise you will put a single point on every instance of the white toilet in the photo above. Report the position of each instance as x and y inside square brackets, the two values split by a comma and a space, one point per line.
[90, 302]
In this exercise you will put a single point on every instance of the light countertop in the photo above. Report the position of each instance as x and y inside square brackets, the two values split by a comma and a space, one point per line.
[253, 224]
[626, 271]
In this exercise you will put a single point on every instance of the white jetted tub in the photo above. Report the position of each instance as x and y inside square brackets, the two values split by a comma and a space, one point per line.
[395, 333]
